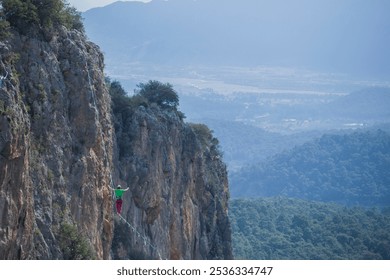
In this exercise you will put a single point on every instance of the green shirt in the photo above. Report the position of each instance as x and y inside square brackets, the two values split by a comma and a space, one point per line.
[119, 193]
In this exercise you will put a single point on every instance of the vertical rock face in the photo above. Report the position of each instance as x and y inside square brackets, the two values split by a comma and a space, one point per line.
[178, 192]
[58, 156]
[56, 142]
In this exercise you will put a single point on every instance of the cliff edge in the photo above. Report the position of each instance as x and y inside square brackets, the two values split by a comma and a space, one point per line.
[178, 200]
[61, 147]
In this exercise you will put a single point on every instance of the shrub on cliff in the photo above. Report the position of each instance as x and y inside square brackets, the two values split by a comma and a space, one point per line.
[32, 14]
[123, 107]
[122, 104]
[71, 18]
[162, 94]
[206, 138]
[4, 25]
[73, 245]
[153, 95]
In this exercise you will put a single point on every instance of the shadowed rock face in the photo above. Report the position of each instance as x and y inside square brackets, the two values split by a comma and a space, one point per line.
[58, 153]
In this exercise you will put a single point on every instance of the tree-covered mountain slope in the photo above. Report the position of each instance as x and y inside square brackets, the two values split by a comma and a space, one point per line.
[286, 228]
[351, 169]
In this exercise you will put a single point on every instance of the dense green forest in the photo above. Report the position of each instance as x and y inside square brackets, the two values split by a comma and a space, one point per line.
[351, 169]
[287, 228]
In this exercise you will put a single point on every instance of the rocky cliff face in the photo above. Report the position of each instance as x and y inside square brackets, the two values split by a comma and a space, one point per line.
[58, 155]
[56, 143]
[178, 192]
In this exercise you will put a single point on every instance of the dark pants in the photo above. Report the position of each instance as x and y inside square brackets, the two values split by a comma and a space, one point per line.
[118, 205]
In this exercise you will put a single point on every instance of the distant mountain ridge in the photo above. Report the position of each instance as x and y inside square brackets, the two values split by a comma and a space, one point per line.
[365, 104]
[347, 36]
[348, 169]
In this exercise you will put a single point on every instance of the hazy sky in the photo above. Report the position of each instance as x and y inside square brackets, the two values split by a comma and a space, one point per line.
[83, 5]
[348, 36]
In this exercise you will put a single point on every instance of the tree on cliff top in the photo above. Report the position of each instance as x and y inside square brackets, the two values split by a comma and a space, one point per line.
[24, 15]
[162, 94]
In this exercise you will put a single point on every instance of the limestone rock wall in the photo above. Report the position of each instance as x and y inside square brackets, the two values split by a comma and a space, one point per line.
[178, 197]
[56, 142]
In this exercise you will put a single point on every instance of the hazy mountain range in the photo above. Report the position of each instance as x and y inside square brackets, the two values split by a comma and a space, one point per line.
[335, 36]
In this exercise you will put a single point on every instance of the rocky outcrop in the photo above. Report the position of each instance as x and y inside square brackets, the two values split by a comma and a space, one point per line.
[56, 143]
[59, 155]
[178, 192]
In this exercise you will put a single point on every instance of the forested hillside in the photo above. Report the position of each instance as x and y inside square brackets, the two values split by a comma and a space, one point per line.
[259, 143]
[350, 169]
[286, 228]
